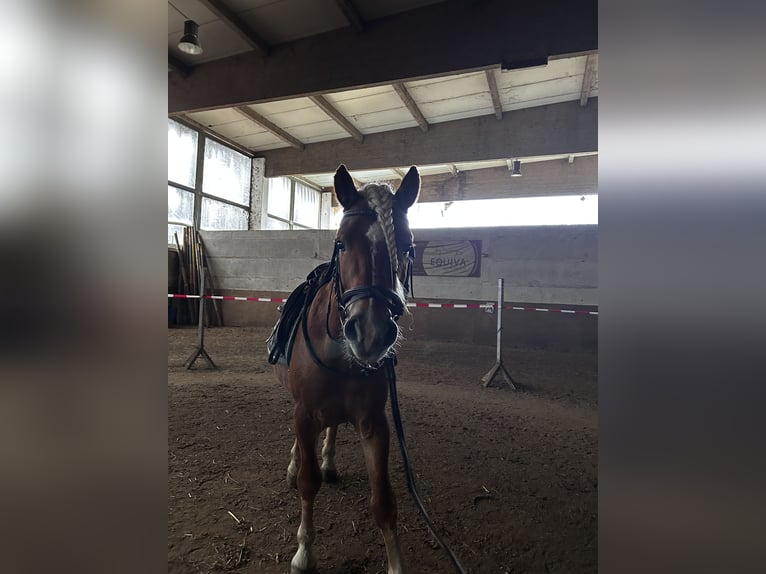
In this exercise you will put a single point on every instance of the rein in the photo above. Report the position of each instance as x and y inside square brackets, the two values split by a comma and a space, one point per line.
[397, 416]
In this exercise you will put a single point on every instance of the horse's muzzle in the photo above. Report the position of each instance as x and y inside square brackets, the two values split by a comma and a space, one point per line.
[370, 332]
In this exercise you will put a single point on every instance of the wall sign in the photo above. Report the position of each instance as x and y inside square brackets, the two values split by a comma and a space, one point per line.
[448, 258]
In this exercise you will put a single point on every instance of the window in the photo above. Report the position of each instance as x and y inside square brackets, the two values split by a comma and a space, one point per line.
[506, 212]
[182, 154]
[292, 205]
[213, 195]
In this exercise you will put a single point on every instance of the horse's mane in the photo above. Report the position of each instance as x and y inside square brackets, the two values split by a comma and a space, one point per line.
[380, 197]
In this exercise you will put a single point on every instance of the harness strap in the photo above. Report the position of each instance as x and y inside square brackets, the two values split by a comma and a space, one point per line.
[390, 297]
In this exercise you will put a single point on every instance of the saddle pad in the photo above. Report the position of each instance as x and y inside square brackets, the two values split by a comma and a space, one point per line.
[280, 343]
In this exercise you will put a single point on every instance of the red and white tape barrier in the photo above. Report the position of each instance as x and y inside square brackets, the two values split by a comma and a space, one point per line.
[420, 305]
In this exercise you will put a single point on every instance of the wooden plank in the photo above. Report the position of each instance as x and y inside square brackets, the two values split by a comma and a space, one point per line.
[544, 178]
[351, 14]
[562, 128]
[492, 83]
[411, 106]
[330, 110]
[273, 128]
[177, 65]
[587, 79]
[238, 25]
[416, 44]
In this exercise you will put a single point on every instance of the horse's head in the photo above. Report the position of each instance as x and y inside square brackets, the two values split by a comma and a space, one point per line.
[374, 248]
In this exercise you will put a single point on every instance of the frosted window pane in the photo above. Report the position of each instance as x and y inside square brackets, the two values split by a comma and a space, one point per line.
[279, 197]
[180, 205]
[226, 173]
[222, 216]
[272, 223]
[179, 229]
[182, 154]
[306, 205]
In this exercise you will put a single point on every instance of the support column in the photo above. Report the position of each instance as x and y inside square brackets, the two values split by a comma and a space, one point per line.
[258, 196]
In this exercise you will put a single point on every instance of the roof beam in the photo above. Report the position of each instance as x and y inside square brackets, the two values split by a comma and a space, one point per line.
[177, 65]
[274, 129]
[587, 79]
[213, 134]
[543, 130]
[351, 14]
[411, 106]
[493, 91]
[306, 181]
[237, 24]
[331, 111]
[542, 178]
[342, 59]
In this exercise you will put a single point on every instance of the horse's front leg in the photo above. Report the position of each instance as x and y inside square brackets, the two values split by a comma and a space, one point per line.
[309, 481]
[329, 472]
[375, 443]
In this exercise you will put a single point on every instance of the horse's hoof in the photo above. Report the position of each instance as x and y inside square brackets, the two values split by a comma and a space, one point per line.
[329, 475]
[292, 480]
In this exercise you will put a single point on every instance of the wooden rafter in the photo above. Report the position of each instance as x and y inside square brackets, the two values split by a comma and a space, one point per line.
[178, 66]
[237, 24]
[561, 128]
[351, 14]
[587, 79]
[432, 48]
[273, 128]
[493, 91]
[398, 172]
[213, 134]
[411, 106]
[306, 181]
[341, 120]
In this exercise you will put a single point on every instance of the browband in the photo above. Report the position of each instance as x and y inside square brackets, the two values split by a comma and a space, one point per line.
[362, 211]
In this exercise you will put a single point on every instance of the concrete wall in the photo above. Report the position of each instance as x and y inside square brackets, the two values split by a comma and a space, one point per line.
[552, 266]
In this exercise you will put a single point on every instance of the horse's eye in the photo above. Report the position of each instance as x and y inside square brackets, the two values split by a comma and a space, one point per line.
[341, 245]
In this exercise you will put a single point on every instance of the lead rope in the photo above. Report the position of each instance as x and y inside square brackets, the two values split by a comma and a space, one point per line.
[391, 376]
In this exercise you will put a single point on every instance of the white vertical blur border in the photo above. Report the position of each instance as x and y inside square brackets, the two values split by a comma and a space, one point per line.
[84, 91]
[682, 273]
[83, 168]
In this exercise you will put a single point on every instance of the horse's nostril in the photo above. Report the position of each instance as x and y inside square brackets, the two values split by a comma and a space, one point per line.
[352, 330]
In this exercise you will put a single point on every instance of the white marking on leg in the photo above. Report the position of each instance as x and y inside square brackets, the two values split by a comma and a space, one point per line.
[304, 560]
[328, 451]
[292, 468]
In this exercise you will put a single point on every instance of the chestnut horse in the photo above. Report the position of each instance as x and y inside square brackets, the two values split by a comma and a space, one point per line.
[344, 337]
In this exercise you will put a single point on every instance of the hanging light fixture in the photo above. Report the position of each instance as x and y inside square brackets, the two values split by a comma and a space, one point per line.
[516, 168]
[189, 42]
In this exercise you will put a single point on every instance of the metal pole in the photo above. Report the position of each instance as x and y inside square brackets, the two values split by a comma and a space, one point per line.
[489, 378]
[200, 350]
[500, 299]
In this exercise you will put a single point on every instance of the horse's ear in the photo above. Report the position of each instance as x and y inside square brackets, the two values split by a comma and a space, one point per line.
[409, 189]
[345, 190]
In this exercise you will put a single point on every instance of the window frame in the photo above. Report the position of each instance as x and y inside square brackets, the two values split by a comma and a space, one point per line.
[199, 176]
[291, 221]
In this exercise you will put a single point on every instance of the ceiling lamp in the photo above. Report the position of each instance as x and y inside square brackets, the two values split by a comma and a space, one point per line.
[516, 168]
[189, 42]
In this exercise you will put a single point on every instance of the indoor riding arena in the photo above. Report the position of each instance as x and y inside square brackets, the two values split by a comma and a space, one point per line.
[496, 106]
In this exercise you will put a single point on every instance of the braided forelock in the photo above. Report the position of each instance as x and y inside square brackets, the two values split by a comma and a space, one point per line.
[380, 197]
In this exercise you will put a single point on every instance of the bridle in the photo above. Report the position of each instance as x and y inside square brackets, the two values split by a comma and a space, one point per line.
[389, 297]
[393, 301]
